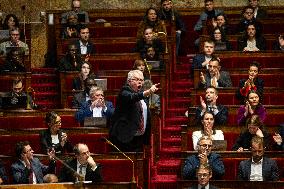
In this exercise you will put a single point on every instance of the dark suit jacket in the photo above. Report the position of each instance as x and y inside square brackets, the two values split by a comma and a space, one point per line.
[3, 175]
[21, 173]
[197, 61]
[224, 81]
[127, 114]
[220, 118]
[270, 171]
[261, 13]
[66, 64]
[90, 47]
[66, 175]
[259, 83]
[46, 143]
[79, 99]
[195, 186]
[85, 111]
[260, 43]
[192, 162]
[244, 140]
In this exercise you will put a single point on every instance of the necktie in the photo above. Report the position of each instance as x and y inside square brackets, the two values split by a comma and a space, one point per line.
[202, 187]
[31, 176]
[81, 169]
[141, 128]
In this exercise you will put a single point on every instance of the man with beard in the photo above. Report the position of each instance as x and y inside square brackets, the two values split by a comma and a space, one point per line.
[204, 157]
[258, 168]
[169, 14]
[84, 45]
[214, 77]
[131, 127]
[71, 61]
[210, 104]
[83, 96]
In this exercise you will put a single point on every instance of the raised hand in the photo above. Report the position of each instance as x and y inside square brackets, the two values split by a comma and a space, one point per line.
[277, 138]
[202, 103]
[202, 77]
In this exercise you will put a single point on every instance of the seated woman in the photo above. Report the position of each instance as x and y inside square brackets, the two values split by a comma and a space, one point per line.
[252, 83]
[252, 40]
[219, 38]
[79, 81]
[279, 44]
[207, 130]
[252, 107]
[147, 40]
[11, 21]
[254, 128]
[54, 137]
[141, 65]
[95, 107]
[150, 20]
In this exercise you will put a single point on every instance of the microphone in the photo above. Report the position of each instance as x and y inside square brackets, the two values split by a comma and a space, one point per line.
[110, 143]
[148, 67]
[80, 177]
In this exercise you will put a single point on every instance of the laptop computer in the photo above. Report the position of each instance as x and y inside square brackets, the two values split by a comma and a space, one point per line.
[154, 64]
[10, 102]
[95, 122]
[219, 145]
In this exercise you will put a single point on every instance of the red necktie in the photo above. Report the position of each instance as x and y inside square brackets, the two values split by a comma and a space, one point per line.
[141, 129]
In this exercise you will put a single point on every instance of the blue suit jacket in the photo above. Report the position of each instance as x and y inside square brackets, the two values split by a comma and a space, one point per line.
[21, 173]
[270, 171]
[85, 111]
[192, 162]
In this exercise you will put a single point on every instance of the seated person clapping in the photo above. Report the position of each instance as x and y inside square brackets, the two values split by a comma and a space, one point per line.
[207, 130]
[14, 61]
[71, 61]
[54, 138]
[254, 128]
[251, 107]
[252, 83]
[214, 76]
[95, 107]
[252, 40]
[219, 38]
[72, 27]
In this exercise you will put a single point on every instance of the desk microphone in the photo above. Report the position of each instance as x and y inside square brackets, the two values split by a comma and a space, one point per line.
[80, 177]
[110, 143]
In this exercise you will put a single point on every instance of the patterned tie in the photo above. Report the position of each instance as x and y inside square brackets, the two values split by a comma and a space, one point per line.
[141, 128]
[31, 176]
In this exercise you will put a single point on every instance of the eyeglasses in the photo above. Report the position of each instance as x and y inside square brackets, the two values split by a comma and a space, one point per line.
[200, 175]
[206, 145]
[137, 79]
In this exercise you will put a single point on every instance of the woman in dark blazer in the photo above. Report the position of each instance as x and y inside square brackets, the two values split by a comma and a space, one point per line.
[54, 137]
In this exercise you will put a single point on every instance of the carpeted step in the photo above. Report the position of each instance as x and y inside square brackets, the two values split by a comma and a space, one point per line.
[172, 112]
[168, 167]
[182, 84]
[164, 181]
[179, 102]
[35, 85]
[43, 70]
[180, 120]
[47, 93]
[170, 153]
[171, 142]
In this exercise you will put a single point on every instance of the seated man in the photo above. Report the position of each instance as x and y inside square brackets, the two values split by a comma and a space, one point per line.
[72, 27]
[95, 107]
[258, 167]
[210, 104]
[3, 177]
[84, 96]
[83, 44]
[168, 13]
[202, 60]
[28, 169]
[248, 18]
[13, 42]
[14, 61]
[259, 12]
[204, 174]
[204, 156]
[76, 5]
[214, 77]
[17, 97]
[71, 61]
[83, 165]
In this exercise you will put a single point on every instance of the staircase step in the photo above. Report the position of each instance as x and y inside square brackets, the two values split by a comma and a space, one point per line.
[180, 120]
[47, 93]
[34, 85]
[171, 112]
[160, 180]
[43, 70]
[182, 84]
[168, 167]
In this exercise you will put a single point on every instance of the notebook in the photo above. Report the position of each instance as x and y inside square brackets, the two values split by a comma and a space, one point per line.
[95, 122]
[9, 102]
[219, 145]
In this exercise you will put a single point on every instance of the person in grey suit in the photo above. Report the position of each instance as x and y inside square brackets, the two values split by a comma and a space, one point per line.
[214, 77]
[258, 168]
[28, 169]
[204, 174]
[131, 122]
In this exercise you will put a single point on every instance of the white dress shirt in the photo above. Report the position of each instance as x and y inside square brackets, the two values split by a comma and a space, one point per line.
[256, 171]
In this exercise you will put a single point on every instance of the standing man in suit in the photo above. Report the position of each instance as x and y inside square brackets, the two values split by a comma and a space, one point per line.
[84, 45]
[220, 112]
[204, 156]
[83, 167]
[214, 77]
[28, 169]
[95, 107]
[203, 174]
[258, 168]
[131, 127]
